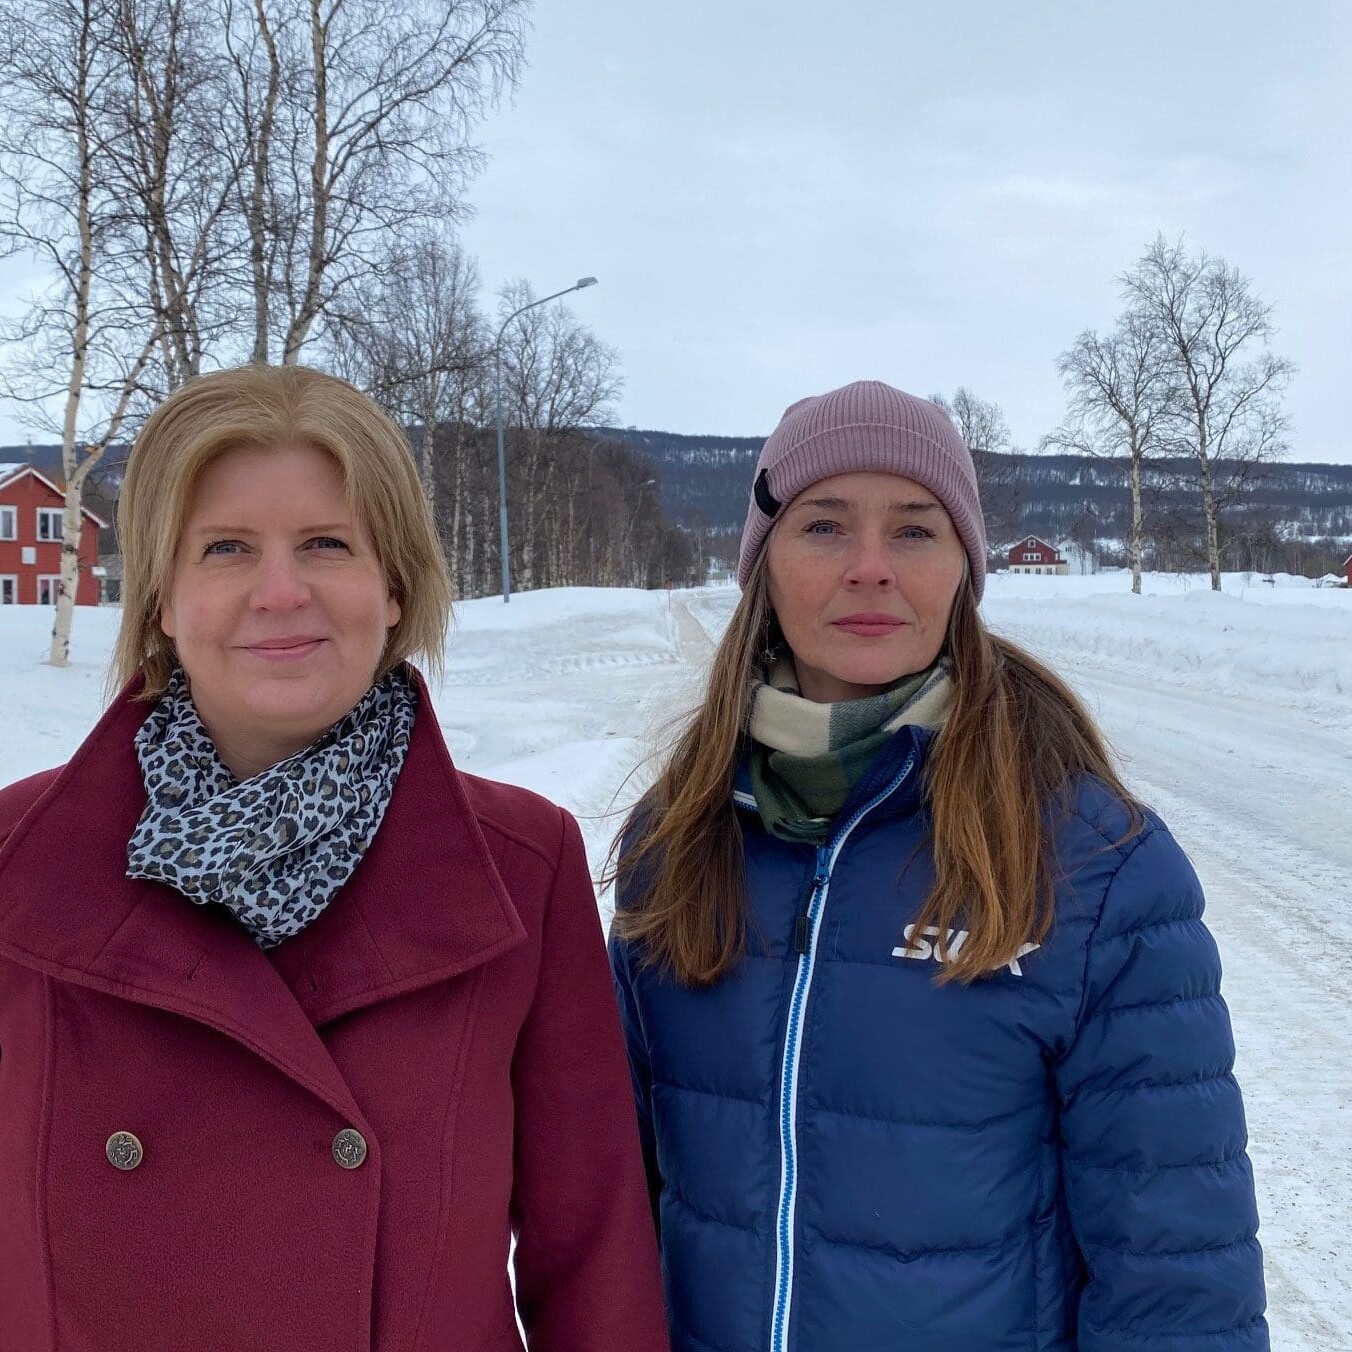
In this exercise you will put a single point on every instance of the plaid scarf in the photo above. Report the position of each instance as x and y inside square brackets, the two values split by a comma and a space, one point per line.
[807, 758]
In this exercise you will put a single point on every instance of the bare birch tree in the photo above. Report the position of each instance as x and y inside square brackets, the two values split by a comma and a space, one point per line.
[998, 464]
[1120, 401]
[164, 133]
[1217, 332]
[259, 104]
[557, 377]
[84, 345]
[416, 341]
[356, 119]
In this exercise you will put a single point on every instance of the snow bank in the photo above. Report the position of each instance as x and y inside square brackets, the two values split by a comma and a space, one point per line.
[1287, 643]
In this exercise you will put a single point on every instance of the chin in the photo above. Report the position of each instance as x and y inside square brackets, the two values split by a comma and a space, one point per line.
[297, 703]
[880, 671]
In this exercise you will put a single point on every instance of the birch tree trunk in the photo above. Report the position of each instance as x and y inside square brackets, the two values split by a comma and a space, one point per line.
[1213, 549]
[72, 520]
[72, 517]
[82, 288]
[1137, 518]
[256, 202]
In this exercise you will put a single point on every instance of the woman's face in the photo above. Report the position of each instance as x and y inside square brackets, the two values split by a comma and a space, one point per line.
[863, 571]
[278, 605]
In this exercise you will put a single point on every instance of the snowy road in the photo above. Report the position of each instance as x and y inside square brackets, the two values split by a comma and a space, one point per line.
[1233, 716]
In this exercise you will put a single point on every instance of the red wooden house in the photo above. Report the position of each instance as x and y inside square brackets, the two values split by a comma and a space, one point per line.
[1035, 555]
[31, 508]
[1347, 568]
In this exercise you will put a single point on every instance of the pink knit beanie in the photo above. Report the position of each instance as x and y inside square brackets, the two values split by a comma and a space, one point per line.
[867, 426]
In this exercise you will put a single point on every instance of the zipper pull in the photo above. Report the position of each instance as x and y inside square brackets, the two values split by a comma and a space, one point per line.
[802, 926]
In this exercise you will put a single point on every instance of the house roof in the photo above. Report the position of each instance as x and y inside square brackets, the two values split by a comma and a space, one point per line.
[1033, 539]
[10, 473]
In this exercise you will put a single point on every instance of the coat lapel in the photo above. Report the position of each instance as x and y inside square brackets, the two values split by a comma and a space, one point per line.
[425, 904]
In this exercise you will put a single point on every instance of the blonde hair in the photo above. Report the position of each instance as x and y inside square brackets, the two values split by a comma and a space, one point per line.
[270, 408]
[1003, 766]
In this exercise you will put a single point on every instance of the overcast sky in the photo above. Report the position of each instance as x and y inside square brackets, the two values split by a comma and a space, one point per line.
[781, 197]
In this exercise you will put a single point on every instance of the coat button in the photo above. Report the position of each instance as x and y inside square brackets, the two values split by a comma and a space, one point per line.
[124, 1150]
[349, 1148]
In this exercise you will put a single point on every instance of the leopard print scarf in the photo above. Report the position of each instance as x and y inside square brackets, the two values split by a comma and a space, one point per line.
[274, 849]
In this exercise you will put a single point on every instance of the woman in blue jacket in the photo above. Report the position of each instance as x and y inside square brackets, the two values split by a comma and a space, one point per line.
[924, 1023]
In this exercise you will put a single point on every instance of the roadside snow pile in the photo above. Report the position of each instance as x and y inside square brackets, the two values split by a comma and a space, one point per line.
[1290, 643]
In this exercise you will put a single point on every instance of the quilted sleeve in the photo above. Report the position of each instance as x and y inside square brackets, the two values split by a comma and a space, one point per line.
[1158, 1184]
[621, 967]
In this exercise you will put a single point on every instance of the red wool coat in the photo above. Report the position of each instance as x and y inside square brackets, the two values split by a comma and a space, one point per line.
[452, 1005]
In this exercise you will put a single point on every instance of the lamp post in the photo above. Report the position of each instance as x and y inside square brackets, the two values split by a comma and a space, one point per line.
[502, 451]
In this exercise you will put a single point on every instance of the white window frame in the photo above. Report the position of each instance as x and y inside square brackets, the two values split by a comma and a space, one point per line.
[59, 513]
[55, 581]
[9, 577]
[10, 516]
[1031, 556]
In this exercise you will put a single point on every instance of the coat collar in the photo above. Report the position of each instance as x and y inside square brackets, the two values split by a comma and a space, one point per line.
[425, 904]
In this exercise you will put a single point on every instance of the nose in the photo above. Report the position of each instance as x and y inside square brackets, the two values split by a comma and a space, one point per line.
[870, 563]
[278, 584]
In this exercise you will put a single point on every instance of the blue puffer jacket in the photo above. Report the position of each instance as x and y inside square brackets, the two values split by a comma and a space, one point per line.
[849, 1158]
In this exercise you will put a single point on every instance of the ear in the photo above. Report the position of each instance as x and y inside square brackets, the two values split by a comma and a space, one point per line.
[167, 621]
[393, 612]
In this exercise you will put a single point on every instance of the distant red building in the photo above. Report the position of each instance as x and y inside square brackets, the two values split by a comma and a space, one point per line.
[1035, 555]
[31, 508]
[1347, 568]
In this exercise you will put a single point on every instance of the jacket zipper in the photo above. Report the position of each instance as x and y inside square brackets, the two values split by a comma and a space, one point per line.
[806, 929]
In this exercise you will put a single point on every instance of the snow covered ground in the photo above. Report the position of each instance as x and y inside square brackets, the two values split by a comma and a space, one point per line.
[1233, 717]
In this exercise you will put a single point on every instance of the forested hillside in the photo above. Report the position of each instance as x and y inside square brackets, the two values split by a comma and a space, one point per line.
[705, 482]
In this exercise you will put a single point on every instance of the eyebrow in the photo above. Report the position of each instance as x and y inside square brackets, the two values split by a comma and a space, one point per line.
[841, 505]
[320, 529]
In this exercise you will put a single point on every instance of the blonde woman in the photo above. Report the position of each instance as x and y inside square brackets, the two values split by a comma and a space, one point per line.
[924, 1023]
[299, 1025]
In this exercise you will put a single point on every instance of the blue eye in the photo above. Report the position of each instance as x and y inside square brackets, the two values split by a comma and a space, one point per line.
[222, 547]
[328, 542]
[918, 533]
[819, 528]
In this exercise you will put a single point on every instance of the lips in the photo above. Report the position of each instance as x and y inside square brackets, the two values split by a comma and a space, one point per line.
[869, 624]
[289, 649]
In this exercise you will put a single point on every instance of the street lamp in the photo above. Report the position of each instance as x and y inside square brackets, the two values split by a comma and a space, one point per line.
[502, 452]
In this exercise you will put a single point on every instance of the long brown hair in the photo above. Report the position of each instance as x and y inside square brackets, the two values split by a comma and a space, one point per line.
[1002, 766]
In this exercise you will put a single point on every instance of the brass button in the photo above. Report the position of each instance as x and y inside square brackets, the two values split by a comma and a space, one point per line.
[349, 1148]
[124, 1150]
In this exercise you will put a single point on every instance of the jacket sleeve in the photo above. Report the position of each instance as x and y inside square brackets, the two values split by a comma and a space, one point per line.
[1157, 1181]
[640, 1071]
[585, 1261]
